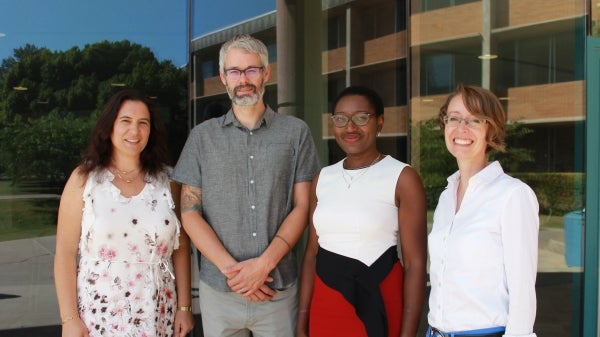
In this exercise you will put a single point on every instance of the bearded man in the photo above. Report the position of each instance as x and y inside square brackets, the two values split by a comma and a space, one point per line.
[244, 202]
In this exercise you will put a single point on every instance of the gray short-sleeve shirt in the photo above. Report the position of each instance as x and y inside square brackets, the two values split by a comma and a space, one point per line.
[246, 177]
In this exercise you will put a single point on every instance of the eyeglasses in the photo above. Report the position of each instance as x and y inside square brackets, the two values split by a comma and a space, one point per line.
[359, 119]
[251, 73]
[472, 123]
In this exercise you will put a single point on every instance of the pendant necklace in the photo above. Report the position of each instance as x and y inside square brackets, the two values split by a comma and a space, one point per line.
[120, 174]
[351, 179]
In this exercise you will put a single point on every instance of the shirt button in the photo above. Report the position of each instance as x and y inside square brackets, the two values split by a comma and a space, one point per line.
[251, 133]
[251, 181]
[251, 157]
[254, 234]
[253, 207]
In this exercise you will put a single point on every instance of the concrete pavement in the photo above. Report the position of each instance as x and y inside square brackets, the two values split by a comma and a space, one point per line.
[26, 268]
[28, 299]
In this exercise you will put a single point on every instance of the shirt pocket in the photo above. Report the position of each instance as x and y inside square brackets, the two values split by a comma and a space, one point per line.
[280, 161]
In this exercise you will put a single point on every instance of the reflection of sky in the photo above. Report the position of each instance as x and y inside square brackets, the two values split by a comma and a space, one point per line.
[211, 15]
[157, 24]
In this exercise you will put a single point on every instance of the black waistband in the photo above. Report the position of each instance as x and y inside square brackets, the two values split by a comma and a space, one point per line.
[359, 284]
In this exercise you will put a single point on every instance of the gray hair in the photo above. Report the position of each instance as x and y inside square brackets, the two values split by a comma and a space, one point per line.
[246, 43]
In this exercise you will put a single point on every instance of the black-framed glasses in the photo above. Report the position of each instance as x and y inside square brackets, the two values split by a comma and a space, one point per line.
[251, 73]
[473, 123]
[359, 119]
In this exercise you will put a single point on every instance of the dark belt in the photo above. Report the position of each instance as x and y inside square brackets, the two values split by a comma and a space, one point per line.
[496, 332]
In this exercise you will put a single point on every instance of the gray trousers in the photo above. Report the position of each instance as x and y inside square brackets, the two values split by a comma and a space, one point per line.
[228, 314]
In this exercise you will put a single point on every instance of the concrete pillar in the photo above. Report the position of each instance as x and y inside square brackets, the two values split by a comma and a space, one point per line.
[301, 87]
[486, 48]
[286, 57]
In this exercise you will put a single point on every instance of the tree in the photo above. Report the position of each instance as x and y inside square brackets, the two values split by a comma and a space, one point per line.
[436, 163]
[516, 156]
[44, 128]
[47, 148]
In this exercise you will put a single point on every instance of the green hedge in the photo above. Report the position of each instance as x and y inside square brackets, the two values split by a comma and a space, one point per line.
[558, 193]
[434, 186]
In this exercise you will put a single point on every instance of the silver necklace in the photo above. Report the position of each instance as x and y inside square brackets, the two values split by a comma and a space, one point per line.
[351, 179]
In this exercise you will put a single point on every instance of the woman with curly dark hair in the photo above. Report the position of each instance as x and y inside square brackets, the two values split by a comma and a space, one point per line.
[122, 264]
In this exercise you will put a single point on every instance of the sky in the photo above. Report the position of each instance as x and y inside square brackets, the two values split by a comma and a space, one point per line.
[160, 25]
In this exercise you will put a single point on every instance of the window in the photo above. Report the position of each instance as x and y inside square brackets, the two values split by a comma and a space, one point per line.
[210, 68]
[441, 72]
[376, 21]
[430, 5]
[336, 32]
[55, 77]
[539, 60]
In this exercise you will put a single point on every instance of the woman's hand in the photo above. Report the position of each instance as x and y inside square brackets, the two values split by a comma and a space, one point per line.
[184, 323]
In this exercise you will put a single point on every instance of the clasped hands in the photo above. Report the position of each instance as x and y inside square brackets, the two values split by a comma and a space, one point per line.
[249, 278]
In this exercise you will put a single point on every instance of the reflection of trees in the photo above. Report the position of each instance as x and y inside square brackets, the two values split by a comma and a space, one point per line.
[436, 163]
[44, 128]
[44, 148]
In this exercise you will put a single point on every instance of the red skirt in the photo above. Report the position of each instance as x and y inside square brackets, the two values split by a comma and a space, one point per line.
[331, 315]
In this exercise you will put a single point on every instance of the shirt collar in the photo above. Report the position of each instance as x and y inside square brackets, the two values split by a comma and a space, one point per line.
[267, 118]
[486, 175]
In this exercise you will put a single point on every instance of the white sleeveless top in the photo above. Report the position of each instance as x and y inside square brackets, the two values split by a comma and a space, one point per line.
[359, 221]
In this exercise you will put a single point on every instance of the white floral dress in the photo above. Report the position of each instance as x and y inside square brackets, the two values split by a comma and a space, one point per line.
[125, 280]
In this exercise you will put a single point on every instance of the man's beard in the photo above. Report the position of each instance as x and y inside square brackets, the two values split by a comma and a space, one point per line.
[246, 99]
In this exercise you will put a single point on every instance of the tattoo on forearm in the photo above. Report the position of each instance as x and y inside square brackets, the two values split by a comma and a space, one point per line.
[191, 198]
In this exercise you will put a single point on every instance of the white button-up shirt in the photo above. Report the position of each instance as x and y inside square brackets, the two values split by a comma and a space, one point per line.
[484, 256]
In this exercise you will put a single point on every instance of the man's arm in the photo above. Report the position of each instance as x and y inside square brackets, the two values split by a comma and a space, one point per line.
[207, 241]
[253, 273]
[199, 231]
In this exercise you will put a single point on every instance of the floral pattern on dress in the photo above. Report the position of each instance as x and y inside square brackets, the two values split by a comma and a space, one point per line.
[125, 280]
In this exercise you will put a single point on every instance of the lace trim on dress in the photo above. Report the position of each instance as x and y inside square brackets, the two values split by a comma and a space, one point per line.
[102, 178]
